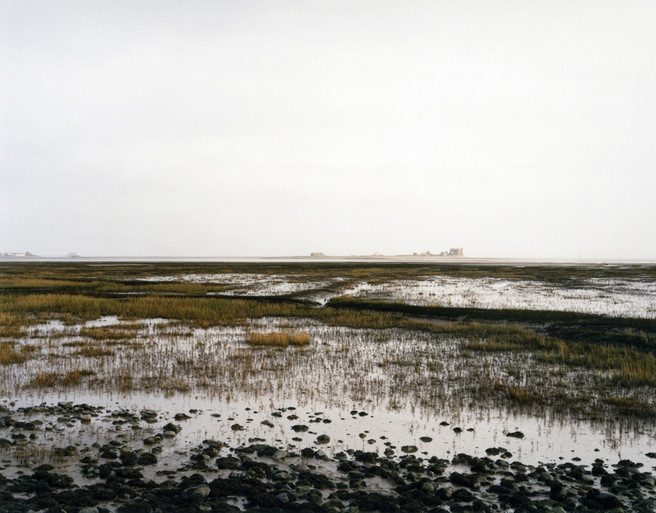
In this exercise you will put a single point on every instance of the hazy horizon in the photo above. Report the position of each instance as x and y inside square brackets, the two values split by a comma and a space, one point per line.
[251, 128]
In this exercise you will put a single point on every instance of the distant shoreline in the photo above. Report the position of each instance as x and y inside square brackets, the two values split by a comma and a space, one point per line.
[370, 259]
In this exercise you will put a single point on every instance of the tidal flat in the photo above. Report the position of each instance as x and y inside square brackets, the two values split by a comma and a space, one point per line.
[322, 383]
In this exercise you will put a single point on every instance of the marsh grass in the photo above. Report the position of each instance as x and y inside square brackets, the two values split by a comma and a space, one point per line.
[10, 353]
[202, 312]
[516, 393]
[90, 350]
[632, 405]
[368, 350]
[278, 339]
[44, 379]
[110, 332]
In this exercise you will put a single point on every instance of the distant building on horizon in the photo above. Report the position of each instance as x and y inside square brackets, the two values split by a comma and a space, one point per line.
[17, 255]
[453, 252]
[317, 254]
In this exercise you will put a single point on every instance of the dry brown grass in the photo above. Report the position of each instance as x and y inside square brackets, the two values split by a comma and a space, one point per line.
[9, 354]
[278, 338]
[94, 350]
[54, 379]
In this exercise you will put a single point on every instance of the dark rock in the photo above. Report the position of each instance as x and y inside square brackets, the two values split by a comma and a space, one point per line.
[147, 458]
[467, 480]
[129, 458]
[135, 507]
[170, 427]
[557, 492]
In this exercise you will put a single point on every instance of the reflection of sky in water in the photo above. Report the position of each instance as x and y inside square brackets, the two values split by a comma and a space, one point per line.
[545, 441]
[247, 284]
[614, 297]
[340, 372]
[608, 297]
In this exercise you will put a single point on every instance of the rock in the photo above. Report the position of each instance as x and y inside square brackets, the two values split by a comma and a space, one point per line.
[267, 423]
[181, 416]
[409, 449]
[170, 427]
[606, 501]
[323, 439]
[427, 487]
[426, 439]
[129, 458]
[515, 434]
[466, 480]
[147, 458]
[558, 492]
[237, 427]
[279, 455]
[299, 428]
[196, 493]
[281, 475]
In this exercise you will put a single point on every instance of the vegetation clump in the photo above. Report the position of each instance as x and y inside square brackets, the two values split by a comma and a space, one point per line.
[278, 338]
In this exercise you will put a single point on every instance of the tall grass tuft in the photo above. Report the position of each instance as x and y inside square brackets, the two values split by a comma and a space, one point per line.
[278, 338]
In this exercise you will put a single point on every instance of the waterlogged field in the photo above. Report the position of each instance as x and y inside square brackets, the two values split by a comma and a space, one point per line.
[538, 365]
[631, 296]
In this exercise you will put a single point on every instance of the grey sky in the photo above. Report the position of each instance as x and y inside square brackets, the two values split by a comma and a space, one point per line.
[511, 128]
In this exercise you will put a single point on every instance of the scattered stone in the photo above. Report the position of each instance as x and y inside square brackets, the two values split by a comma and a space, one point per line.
[515, 434]
[147, 458]
[196, 493]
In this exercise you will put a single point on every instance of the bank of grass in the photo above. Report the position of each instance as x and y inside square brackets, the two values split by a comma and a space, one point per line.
[278, 338]
[633, 366]
[202, 312]
[59, 379]
[631, 405]
[9, 354]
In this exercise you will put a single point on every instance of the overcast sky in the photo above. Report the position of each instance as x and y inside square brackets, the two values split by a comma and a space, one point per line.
[233, 128]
